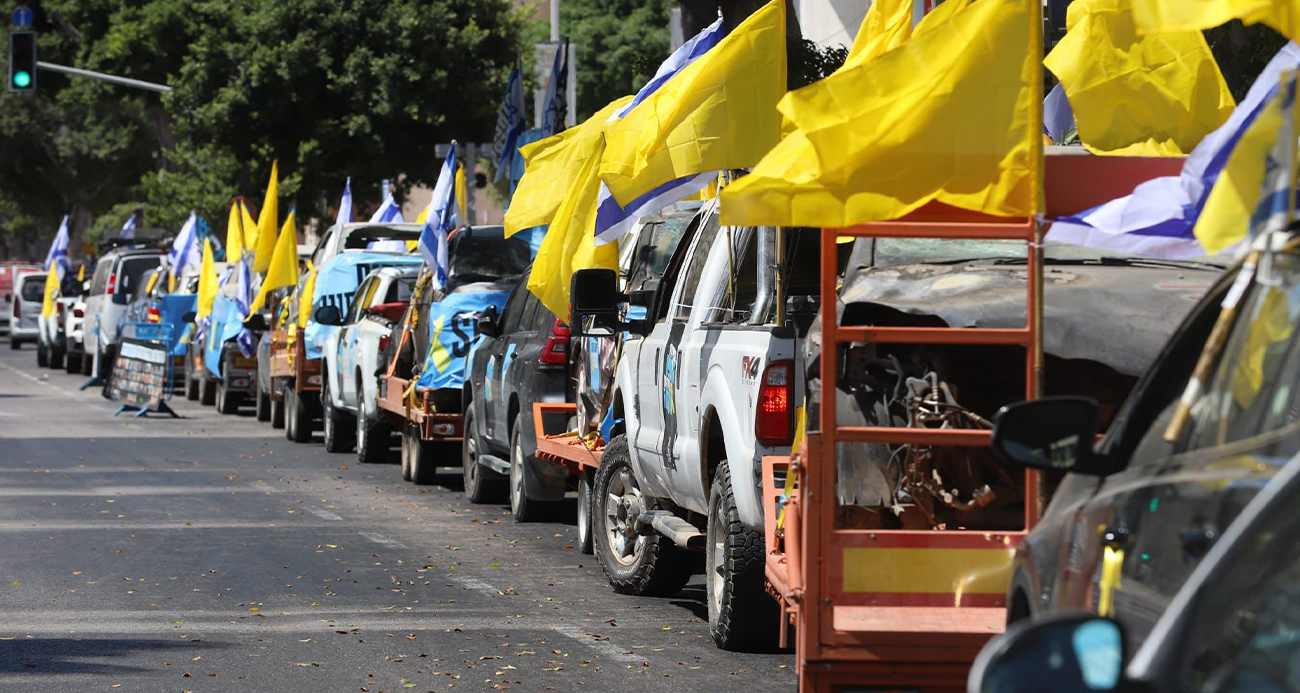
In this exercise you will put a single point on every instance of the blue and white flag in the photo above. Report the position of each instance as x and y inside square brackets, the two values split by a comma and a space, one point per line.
[244, 299]
[57, 256]
[510, 123]
[345, 204]
[1058, 117]
[388, 209]
[439, 221]
[1157, 219]
[128, 229]
[613, 220]
[556, 101]
[186, 248]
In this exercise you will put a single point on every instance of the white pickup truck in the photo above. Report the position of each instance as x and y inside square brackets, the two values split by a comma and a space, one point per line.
[706, 386]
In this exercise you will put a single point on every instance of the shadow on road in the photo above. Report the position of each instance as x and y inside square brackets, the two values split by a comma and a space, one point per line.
[34, 656]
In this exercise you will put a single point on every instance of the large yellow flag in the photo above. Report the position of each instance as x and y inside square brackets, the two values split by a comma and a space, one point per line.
[1133, 95]
[282, 270]
[570, 242]
[550, 167]
[887, 26]
[207, 293]
[266, 240]
[718, 113]
[234, 234]
[51, 291]
[953, 115]
[249, 227]
[940, 14]
[1155, 16]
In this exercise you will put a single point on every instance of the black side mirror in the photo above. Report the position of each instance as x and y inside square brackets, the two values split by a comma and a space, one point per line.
[189, 317]
[329, 315]
[487, 322]
[256, 322]
[1075, 653]
[593, 302]
[1053, 433]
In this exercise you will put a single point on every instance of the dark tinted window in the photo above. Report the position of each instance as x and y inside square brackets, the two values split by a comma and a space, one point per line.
[484, 254]
[33, 289]
[513, 313]
[709, 233]
[133, 272]
[400, 289]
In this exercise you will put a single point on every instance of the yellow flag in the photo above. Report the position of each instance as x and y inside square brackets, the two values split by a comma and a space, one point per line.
[305, 300]
[1133, 95]
[282, 270]
[1155, 16]
[887, 26]
[266, 240]
[462, 195]
[953, 115]
[51, 291]
[207, 293]
[570, 242]
[248, 229]
[940, 14]
[550, 167]
[718, 113]
[234, 234]
[1226, 218]
[81, 272]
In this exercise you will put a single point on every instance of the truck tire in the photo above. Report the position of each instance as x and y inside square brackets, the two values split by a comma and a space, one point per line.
[522, 507]
[228, 402]
[277, 409]
[338, 429]
[56, 358]
[191, 380]
[15, 343]
[742, 616]
[584, 513]
[297, 418]
[482, 485]
[42, 356]
[372, 437]
[72, 364]
[409, 439]
[87, 363]
[207, 390]
[424, 465]
[637, 564]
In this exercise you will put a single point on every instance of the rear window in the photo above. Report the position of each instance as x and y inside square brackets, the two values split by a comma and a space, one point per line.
[33, 288]
[478, 256]
[133, 272]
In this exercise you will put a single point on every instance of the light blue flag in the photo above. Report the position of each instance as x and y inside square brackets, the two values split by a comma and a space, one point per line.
[185, 249]
[614, 220]
[128, 229]
[336, 284]
[1157, 219]
[439, 222]
[345, 204]
[510, 123]
[453, 330]
[57, 256]
[1058, 117]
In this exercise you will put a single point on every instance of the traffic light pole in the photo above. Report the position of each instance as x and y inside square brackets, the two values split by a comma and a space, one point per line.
[111, 79]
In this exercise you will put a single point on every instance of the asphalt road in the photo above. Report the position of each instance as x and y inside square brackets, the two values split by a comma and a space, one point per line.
[208, 553]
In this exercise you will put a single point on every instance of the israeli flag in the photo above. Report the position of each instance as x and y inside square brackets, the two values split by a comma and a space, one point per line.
[345, 204]
[439, 222]
[243, 300]
[510, 123]
[185, 249]
[388, 209]
[612, 219]
[57, 257]
[1058, 117]
[128, 229]
[1274, 209]
[557, 105]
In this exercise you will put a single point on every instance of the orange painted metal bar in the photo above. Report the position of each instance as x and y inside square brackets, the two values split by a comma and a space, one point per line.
[562, 446]
[936, 335]
[967, 438]
[1011, 230]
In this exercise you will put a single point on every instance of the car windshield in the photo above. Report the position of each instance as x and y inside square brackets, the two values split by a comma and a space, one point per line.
[484, 255]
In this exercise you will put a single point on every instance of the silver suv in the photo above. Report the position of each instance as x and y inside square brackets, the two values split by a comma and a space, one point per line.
[118, 276]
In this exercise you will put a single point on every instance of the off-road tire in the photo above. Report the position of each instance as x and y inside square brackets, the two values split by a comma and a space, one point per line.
[409, 439]
[228, 402]
[338, 429]
[72, 364]
[742, 616]
[297, 417]
[56, 359]
[15, 344]
[277, 410]
[207, 391]
[661, 568]
[42, 356]
[424, 468]
[482, 485]
[261, 401]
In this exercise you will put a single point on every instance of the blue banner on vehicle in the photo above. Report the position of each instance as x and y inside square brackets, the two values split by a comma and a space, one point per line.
[227, 322]
[171, 308]
[453, 330]
[336, 283]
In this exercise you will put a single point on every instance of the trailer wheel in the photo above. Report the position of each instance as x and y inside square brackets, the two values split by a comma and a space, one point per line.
[297, 417]
[261, 400]
[372, 436]
[742, 616]
[338, 429]
[424, 467]
[638, 564]
[584, 513]
[409, 438]
[207, 390]
[481, 485]
[72, 364]
[42, 356]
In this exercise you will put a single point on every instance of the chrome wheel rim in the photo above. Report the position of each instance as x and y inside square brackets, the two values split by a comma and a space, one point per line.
[717, 561]
[622, 505]
[516, 478]
[584, 511]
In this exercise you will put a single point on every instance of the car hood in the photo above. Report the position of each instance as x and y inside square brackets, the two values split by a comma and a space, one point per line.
[1119, 315]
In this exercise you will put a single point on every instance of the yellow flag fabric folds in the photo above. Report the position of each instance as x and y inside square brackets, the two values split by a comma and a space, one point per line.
[282, 270]
[570, 242]
[51, 291]
[234, 234]
[718, 113]
[266, 240]
[1154, 16]
[304, 301]
[249, 228]
[887, 26]
[1134, 95]
[953, 115]
[207, 293]
[461, 192]
[550, 167]
[940, 14]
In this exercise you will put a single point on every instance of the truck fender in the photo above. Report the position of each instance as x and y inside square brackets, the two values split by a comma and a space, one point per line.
[742, 460]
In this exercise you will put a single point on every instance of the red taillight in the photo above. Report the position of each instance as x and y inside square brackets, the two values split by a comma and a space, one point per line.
[152, 314]
[556, 350]
[774, 420]
[78, 313]
[112, 284]
[383, 343]
[62, 312]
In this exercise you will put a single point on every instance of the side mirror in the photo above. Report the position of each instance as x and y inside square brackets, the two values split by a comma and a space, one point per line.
[189, 317]
[256, 322]
[1076, 654]
[329, 315]
[593, 302]
[1052, 433]
[487, 322]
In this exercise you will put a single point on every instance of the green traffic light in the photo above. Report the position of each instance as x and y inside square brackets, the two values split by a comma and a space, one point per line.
[22, 79]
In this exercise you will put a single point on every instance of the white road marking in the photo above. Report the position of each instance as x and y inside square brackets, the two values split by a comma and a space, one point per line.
[122, 491]
[45, 385]
[383, 540]
[322, 514]
[264, 487]
[604, 647]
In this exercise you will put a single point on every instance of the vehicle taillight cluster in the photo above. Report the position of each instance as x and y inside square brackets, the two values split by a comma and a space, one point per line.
[774, 419]
[61, 313]
[112, 284]
[78, 313]
[383, 343]
[152, 314]
[556, 350]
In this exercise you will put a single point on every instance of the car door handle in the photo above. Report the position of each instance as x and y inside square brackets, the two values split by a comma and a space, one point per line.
[1197, 541]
